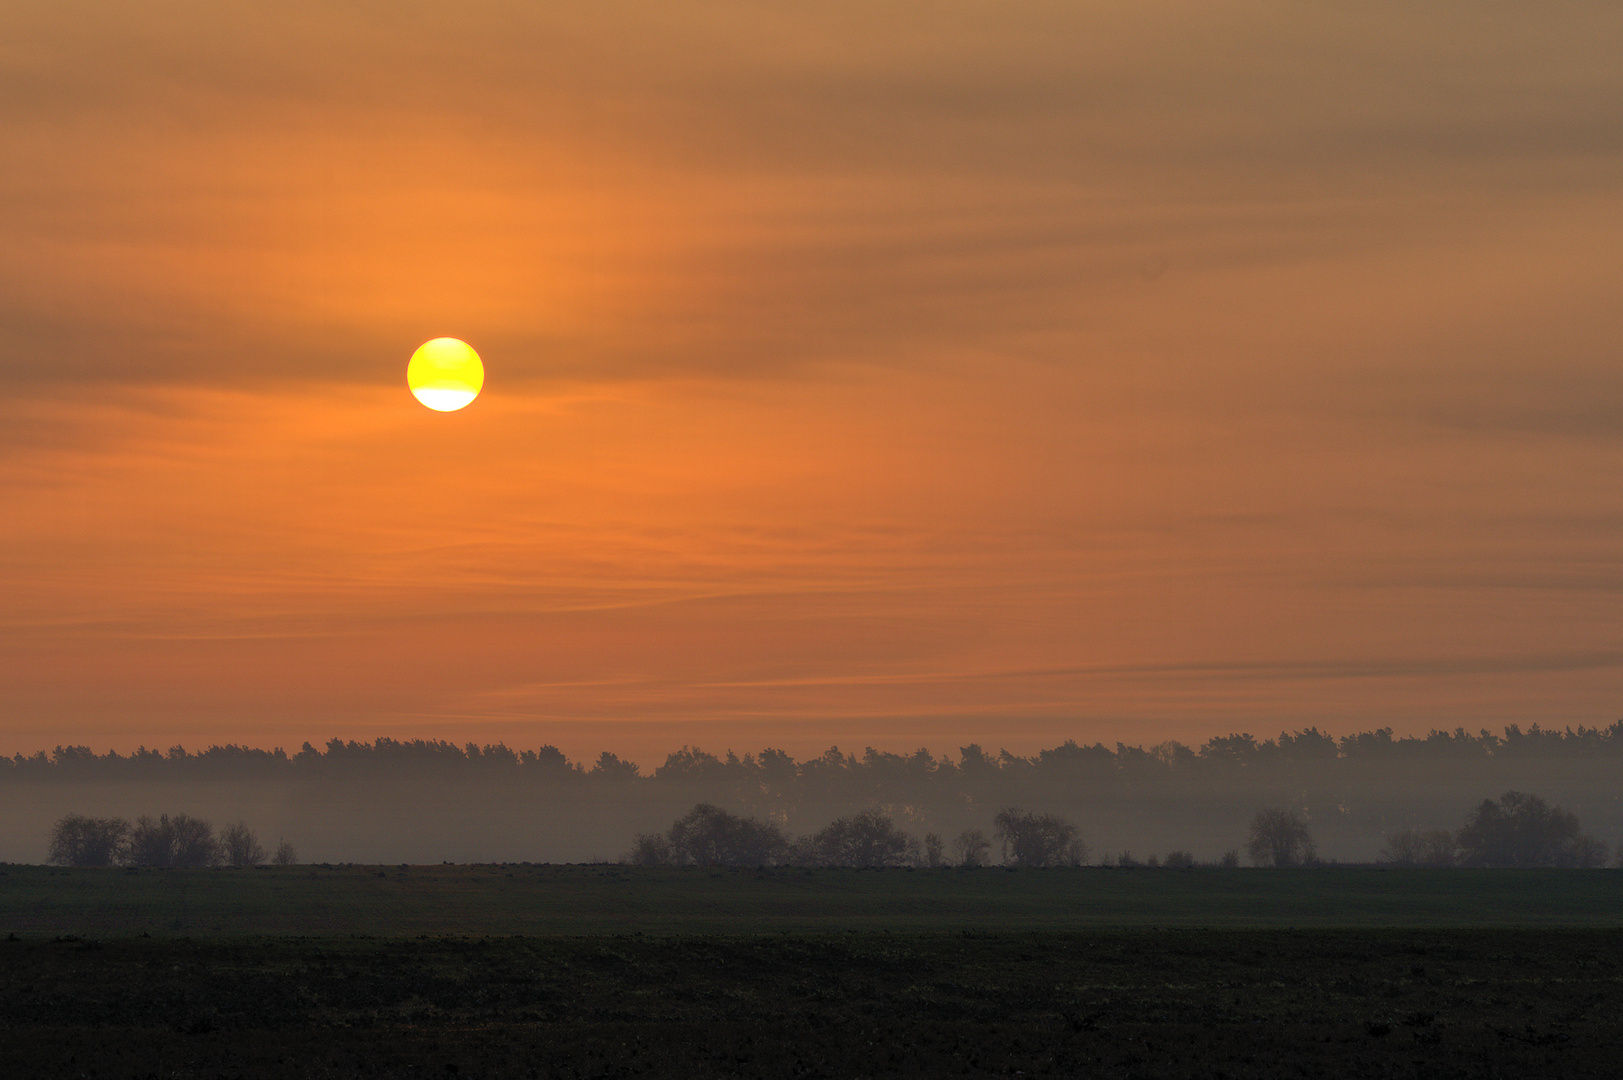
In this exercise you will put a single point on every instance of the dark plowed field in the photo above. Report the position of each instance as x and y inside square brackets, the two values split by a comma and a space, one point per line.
[600, 971]
[1187, 1003]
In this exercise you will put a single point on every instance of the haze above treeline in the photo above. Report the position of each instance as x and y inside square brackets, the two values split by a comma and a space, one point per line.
[432, 800]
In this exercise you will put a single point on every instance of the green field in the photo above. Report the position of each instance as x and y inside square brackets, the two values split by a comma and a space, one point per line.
[576, 900]
[604, 971]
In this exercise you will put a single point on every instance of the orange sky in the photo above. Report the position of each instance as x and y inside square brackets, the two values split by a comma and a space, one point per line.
[892, 375]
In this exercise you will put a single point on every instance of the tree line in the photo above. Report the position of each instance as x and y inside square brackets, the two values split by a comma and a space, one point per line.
[1220, 756]
[1517, 830]
[710, 836]
[1357, 793]
[180, 840]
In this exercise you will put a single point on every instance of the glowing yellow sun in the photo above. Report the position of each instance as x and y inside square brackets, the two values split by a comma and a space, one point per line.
[445, 374]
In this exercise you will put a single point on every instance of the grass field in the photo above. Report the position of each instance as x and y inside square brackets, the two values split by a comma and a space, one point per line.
[573, 900]
[596, 971]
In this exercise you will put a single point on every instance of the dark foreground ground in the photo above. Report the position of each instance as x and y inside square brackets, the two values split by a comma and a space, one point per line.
[587, 899]
[1125, 1003]
[603, 971]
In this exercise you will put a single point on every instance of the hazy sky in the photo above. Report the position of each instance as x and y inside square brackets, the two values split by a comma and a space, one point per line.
[877, 374]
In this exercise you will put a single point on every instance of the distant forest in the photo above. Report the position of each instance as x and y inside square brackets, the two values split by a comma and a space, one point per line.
[774, 768]
[427, 800]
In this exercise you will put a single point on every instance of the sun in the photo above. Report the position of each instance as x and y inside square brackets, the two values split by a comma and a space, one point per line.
[445, 374]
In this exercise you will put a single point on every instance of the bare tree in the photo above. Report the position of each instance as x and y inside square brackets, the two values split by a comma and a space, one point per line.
[77, 840]
[802, 851]
[194, 843]
[1588, 853]
[240, 847]
[971, 848]
[149, 843]
[935, 852]
[1038, 839]
[181, 840]
[1178, 860]
[1412, 847]
[1279, 838]
[1437, 847]
[285, 855]
[651, 849]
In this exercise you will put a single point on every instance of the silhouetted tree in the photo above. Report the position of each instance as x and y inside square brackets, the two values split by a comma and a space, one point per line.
[285, 855]
[651, 849]
[934, 850]
[612, 768]
[866, 839]
[971, 848]
[149, 842]
[1038, 839]
[1524, 830]
[1178, 860]
[240, 847]
[1142, 792]
[1230, 750]
[709, 836]
[1279, 838]
[77, 840]
[181, 840]
[194, 843]
[692, 765]
[1309, 745]
[1412, 847]
[839, 774]
[1588, 853]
